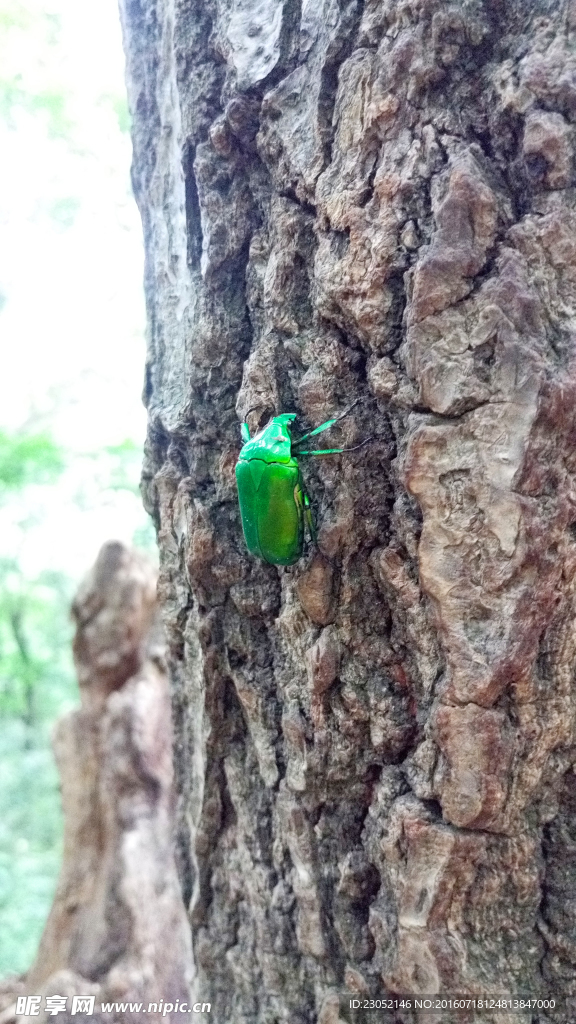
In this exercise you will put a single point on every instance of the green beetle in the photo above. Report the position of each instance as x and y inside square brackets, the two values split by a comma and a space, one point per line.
[274, 504]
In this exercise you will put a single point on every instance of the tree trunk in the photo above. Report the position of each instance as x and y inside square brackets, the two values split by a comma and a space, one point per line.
[374, 748]
[117, 930]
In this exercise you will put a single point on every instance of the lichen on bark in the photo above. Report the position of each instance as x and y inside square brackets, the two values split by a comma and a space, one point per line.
[374, 748]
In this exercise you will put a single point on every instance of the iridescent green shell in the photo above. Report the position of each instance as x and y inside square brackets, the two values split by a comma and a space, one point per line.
[271, 494]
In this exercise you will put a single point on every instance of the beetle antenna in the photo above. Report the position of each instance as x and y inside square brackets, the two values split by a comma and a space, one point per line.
[341, 415]
[340, 451]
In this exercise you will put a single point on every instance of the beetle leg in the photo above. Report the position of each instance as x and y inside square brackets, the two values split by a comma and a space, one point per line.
[245, 429]
[318, 430]
[309, 518]
[324, 426]
[303, 502]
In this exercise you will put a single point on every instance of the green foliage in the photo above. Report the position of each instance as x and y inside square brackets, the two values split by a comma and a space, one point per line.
[145, 539]
[30, 842]
[34, 631]
[119, 106]
[28, 458]
[49, 103]
[36, 686]
[23, 89]
[13, 15]
[36, 677]
[63, 211]
[123, 465]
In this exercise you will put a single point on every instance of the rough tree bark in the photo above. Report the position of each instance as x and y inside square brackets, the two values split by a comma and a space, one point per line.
[374, 748]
